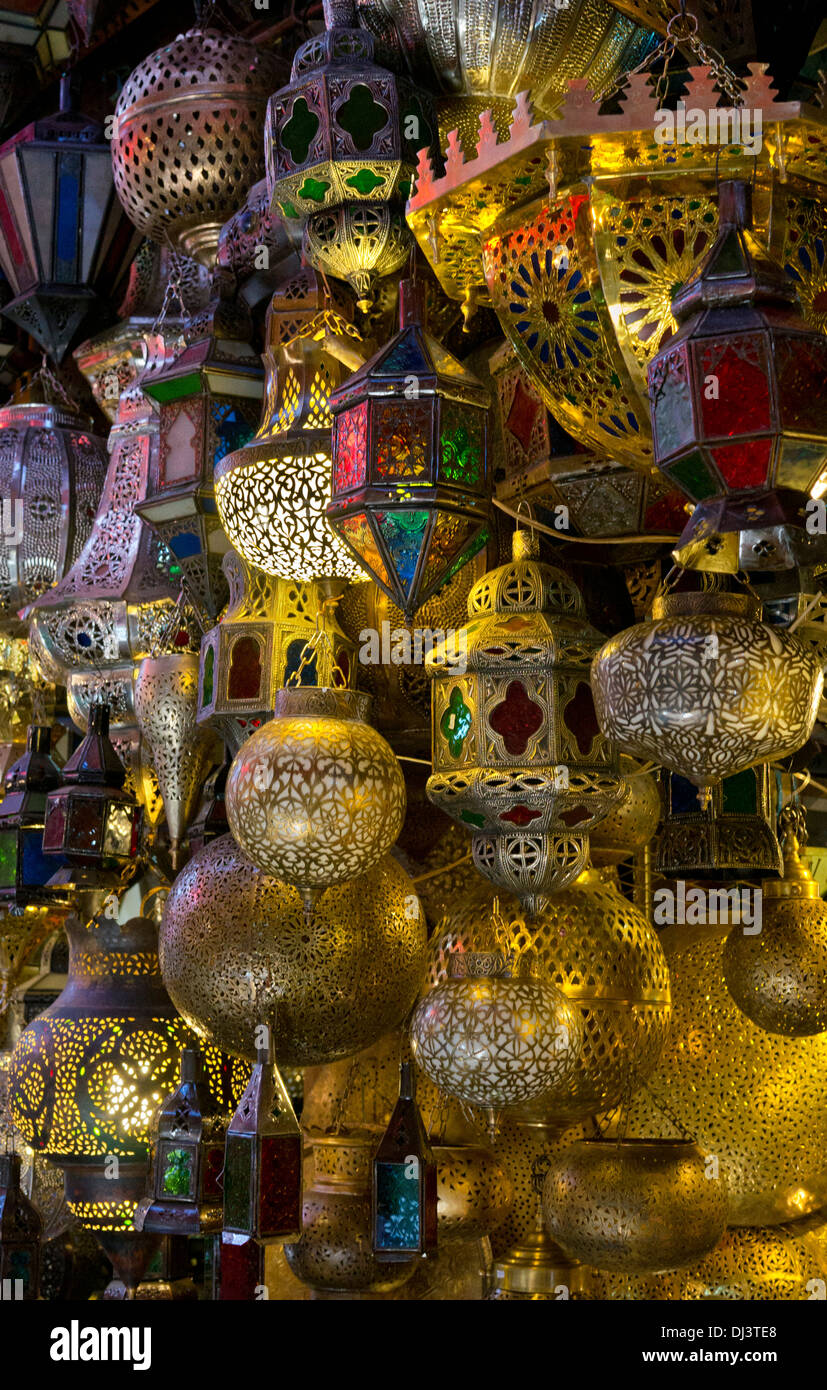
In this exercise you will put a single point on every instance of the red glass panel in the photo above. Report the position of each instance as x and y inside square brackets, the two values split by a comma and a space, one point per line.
[516, 718]
[449, 538]
[733, 386]
[402, 431]
[244, 679]
[519, 815]
[666, 513]
[281, 1185]
[85, 819]
[801, 369]
[575, 816]
[241, 1271]
[55, 826]
[350, 449]
[743, 465]
[213, 1167]
[356, 531]
[579, 716]
[522, 416]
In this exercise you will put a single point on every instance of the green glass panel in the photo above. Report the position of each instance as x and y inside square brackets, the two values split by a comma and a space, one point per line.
[460, 445]
[694, 477]
[362, 117]
[8, 858]
[314, 189]
[449, 538]
[739, 794]
[299, 132]
[238, 1178]
[455, 724]
[800, 464]
[289, 210]
[730, 258]
[174, 390]
[365, 181]
[472, 818]
[209, 674]
[178, 1176]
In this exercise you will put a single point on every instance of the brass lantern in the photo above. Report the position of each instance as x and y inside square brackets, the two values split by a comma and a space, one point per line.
[404, 1186]
[21, 1228]
[410, 461]
[518, 755]
[263, 1161]
[732, 836]
[187, 142]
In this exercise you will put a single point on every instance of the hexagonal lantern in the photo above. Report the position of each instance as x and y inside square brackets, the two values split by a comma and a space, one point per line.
[24, 869]
[739, 404]
[410, 461]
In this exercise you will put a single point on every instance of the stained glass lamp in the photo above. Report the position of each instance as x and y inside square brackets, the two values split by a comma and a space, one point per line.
[410, 462]
[739, 403]
[20, 1232]
[404, 1188]
[24, 869]
[263, 1161]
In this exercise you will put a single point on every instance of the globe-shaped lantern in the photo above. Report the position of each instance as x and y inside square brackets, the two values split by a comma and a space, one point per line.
[739, 403]
[410, 462]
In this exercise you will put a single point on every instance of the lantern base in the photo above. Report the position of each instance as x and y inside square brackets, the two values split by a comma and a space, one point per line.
[54, 316]
[756, 531]
[158, 1217]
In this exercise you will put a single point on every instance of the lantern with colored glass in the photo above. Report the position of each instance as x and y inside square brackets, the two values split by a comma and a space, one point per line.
[24, 869]
[209, 398]
[404, 1182]
[732, 836]
[518, 756]
[65, 241]
[739, 405]
[410, 462]
[188, 1159]
[263, 1161]
[20, 1231]
[90, 820]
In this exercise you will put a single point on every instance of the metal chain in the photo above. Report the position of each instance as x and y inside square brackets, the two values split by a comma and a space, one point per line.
[320, 639]
[681, 29]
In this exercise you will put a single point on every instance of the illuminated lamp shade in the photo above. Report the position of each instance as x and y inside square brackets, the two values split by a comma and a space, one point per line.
[91, 822]
[739, 404]
[518, 756]
[263, 1160]
[24, 869]
[273, 491]
[209, 405]
[65, 242]
[21, 1228]
[410, 462]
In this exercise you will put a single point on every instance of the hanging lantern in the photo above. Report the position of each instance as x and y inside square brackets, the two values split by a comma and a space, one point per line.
[778, 975]
[208, 397]
[494, 1041]
[706, 689]
[90, 820]
[739, 411]
[235, 946]
[635, 1204]
[166, 689]
[263, 1161]
[404, 1188]
[24, 869]
[316, 797]
[732, 836]
[188, 1158]
[20, 1233]
[720, 1076]
[187, 141]
[518, 756]
[343, 137]
[334, 1254]
[272, 492]
[410, 462]
[593, 944]
[65, 242]
[51, 474]
[260, 643]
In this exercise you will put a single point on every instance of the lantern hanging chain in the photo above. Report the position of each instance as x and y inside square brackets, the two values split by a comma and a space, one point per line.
[444, 869]
[48, 377]
[319, 641]
[681, 29]
[669, 1113]
[341, 1104]
[173, 290]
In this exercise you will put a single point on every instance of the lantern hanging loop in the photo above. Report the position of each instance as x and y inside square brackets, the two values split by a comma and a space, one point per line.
[681, 29]
[320, 639]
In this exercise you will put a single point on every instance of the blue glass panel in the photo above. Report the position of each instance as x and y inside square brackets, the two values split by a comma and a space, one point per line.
[38, 867]
[68, 218]
[293, 661]
[397, 1207]
[402, 533]
[232, 429]
[185, 545]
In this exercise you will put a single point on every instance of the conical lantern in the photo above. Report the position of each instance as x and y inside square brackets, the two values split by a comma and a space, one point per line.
[166, 697]
[410, 461]
[518, 756]
[778, 975]
[263, 1160]
[316, 797]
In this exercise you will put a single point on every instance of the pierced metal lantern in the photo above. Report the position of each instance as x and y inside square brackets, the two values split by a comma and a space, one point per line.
[65, 243]
[90, 820]
[52, 469]
[410, 461]
[731, 837]
[404, 1188]
[260, 643]
[21, 1228]
[263, 1161]
[187, 143]
[24, 869]
[739, 403]
[209, 405]
[273, 491]
[344, 132]
[188, 1158]
[518, 755]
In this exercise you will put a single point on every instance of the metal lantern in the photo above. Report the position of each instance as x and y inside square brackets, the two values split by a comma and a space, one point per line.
[263, 1161]
[410, 461]
[494, 1041]
[316, 797]
[209, 405]
[739, 402]
[404, 1187]
[52, 469]
[778, 976]
[21, 1228]
[518, 755]
[187, 143]
[630, 824]
[705, 688]
[634, 1205]
[188, 1158]
[260, 643]
[65, 242]
[24, 869]
[343, 133]
[272, 492]
[90, 820]
[732, 836]
[235, 946]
